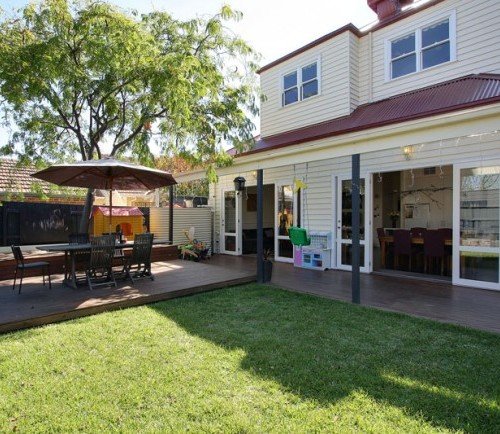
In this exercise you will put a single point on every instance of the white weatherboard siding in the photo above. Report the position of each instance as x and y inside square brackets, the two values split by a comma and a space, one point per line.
[353, 70]
[334, 97]
[354, 62]
[320, 212]
[184, 218]
[477, 37]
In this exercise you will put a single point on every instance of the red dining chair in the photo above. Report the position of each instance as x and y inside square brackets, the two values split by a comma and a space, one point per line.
[434, 248]
[389, 250]
[402, 246]
[417, 232]
[418, 249]
[448, 250]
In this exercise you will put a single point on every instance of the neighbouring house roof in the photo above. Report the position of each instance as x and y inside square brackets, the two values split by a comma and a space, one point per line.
[353, 29]
[118, 211]
[17, 179]
[458, 94]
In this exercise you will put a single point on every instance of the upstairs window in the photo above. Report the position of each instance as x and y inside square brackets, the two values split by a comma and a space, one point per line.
[290, 89]
[426, 47]
[404, 56]
[300, 84]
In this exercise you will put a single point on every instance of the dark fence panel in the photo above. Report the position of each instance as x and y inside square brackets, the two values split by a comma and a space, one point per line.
[37, 223]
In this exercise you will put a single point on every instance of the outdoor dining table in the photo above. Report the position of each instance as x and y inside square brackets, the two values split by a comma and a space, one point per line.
[388, 239]
[70, 251]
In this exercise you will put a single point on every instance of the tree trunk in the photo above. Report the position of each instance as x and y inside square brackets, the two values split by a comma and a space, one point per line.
[85, 221]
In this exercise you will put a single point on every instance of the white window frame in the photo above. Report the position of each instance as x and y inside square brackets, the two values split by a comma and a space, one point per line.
[300, 83]
[451, 17]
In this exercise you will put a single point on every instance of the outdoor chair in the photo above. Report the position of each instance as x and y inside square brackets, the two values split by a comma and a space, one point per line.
[21, 266]
[119, 254]
[140, 258]
[100, 266]
[448, 250]
[434, 248]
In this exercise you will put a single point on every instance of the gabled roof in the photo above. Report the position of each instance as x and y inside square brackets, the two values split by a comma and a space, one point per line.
[458, 94]
[353, 29]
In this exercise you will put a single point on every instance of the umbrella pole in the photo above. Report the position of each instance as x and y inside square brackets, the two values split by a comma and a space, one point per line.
[110, 206]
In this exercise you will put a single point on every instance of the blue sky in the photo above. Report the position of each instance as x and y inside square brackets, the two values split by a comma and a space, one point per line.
[272, 27]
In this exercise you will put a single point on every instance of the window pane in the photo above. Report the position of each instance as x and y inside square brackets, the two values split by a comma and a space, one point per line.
[310, 89]
[230, 212]
[347, 210]
[309, 72]
[403, 46]
[291, 96]
[404, 66]
[479, 266]
[285, 249]
[230, 243]
[347, 255]
[436, 55]
[436, 33]
[285, 209]
[479, 207]
[290, 80]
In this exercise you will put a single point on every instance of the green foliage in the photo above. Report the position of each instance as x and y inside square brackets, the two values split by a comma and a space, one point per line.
[37, 188]
[78, 77]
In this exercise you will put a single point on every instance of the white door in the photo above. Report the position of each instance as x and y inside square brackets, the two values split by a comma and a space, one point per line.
[476, 225]
[344, 224]
[285, 216]
[231, 223]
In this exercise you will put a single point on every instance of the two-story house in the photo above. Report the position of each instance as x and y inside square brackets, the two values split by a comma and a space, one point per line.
[417, 95]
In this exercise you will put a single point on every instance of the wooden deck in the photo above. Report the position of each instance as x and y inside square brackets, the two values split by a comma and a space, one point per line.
[439, 301]
[37, 305]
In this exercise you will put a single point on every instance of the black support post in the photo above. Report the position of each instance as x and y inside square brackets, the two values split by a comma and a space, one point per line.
[260, 226]
[171, 214]
[356, 249]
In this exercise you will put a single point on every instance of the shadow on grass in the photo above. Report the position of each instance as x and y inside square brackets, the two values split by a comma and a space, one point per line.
[324, 350]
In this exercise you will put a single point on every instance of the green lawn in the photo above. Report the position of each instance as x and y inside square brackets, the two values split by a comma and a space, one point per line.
[250, 359]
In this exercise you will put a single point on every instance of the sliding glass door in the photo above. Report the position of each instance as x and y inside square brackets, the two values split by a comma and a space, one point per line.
[476, 247]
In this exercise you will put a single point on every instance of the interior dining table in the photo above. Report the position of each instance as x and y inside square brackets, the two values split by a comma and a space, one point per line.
[389, 239]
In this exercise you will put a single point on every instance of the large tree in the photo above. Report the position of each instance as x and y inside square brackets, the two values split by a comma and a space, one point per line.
[79, 79]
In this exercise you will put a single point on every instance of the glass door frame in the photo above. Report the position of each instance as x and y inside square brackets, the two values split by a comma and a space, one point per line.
[367, 242]
[238, 231]
[278, 237]
[457, 248]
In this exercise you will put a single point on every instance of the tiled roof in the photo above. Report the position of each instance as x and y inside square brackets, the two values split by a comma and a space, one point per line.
[17, 179]
[461, 93]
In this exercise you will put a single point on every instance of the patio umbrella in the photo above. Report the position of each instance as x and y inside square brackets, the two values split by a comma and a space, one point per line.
[106, 174]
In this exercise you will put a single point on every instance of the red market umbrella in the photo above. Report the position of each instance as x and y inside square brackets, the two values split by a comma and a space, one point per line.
[106, 174]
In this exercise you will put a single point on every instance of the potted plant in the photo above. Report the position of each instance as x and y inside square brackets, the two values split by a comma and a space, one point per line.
[268, 265]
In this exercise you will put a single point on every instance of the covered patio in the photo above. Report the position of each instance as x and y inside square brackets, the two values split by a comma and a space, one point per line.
[438, 301]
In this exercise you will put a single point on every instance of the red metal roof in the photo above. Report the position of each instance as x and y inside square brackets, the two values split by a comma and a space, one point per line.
[458, 94]
[118, 211]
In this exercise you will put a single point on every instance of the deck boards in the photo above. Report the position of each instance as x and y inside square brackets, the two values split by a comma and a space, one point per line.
[37, 305]
[439, 301]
